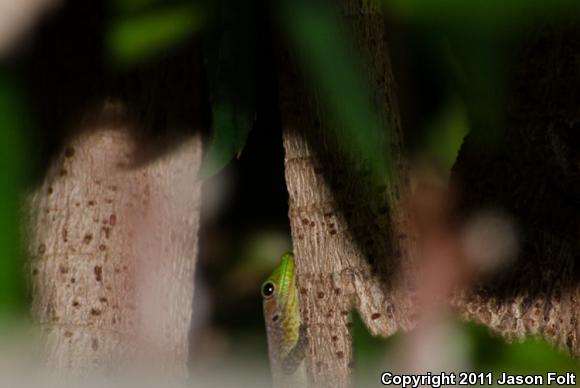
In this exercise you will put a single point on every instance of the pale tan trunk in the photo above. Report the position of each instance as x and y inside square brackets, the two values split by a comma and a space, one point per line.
[114, 246]
[350, 236]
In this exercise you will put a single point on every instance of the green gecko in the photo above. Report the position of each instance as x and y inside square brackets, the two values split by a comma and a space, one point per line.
[286, 334]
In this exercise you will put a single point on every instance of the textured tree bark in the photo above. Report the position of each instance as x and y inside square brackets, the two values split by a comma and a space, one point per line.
[351, 237]
[533, 176]
[114, 245]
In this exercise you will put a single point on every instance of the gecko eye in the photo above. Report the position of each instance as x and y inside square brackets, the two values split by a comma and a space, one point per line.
[268, 289]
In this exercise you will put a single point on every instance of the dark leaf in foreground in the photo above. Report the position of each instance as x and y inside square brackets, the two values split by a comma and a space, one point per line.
[230, 53]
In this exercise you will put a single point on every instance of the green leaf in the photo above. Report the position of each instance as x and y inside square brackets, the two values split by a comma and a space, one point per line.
[135, 38]
[230, 128]
[445, 133]
[230, 53]
[12, 176]
[477, 37]
[478, 14]
[531, 356]
[132, 6]
[321, 43]
[369, 352]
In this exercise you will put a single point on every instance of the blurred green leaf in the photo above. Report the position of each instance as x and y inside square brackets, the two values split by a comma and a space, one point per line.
[473, 38]
[230, 53]
[321, 42]
[12, 176]
[532, 356]
[446, 132]
[132, 6]
[476, 36]
[369, 352]
[136, 38]
[230, 127]
[477, 14]
[480, 65]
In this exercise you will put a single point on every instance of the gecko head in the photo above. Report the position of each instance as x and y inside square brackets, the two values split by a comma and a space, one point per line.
[279, 288]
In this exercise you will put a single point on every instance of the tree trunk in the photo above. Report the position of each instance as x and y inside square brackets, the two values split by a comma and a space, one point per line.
[114, 245]
[533, 175]
[351, 237]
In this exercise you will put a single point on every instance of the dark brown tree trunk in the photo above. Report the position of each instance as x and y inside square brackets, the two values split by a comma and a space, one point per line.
[533, 174]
